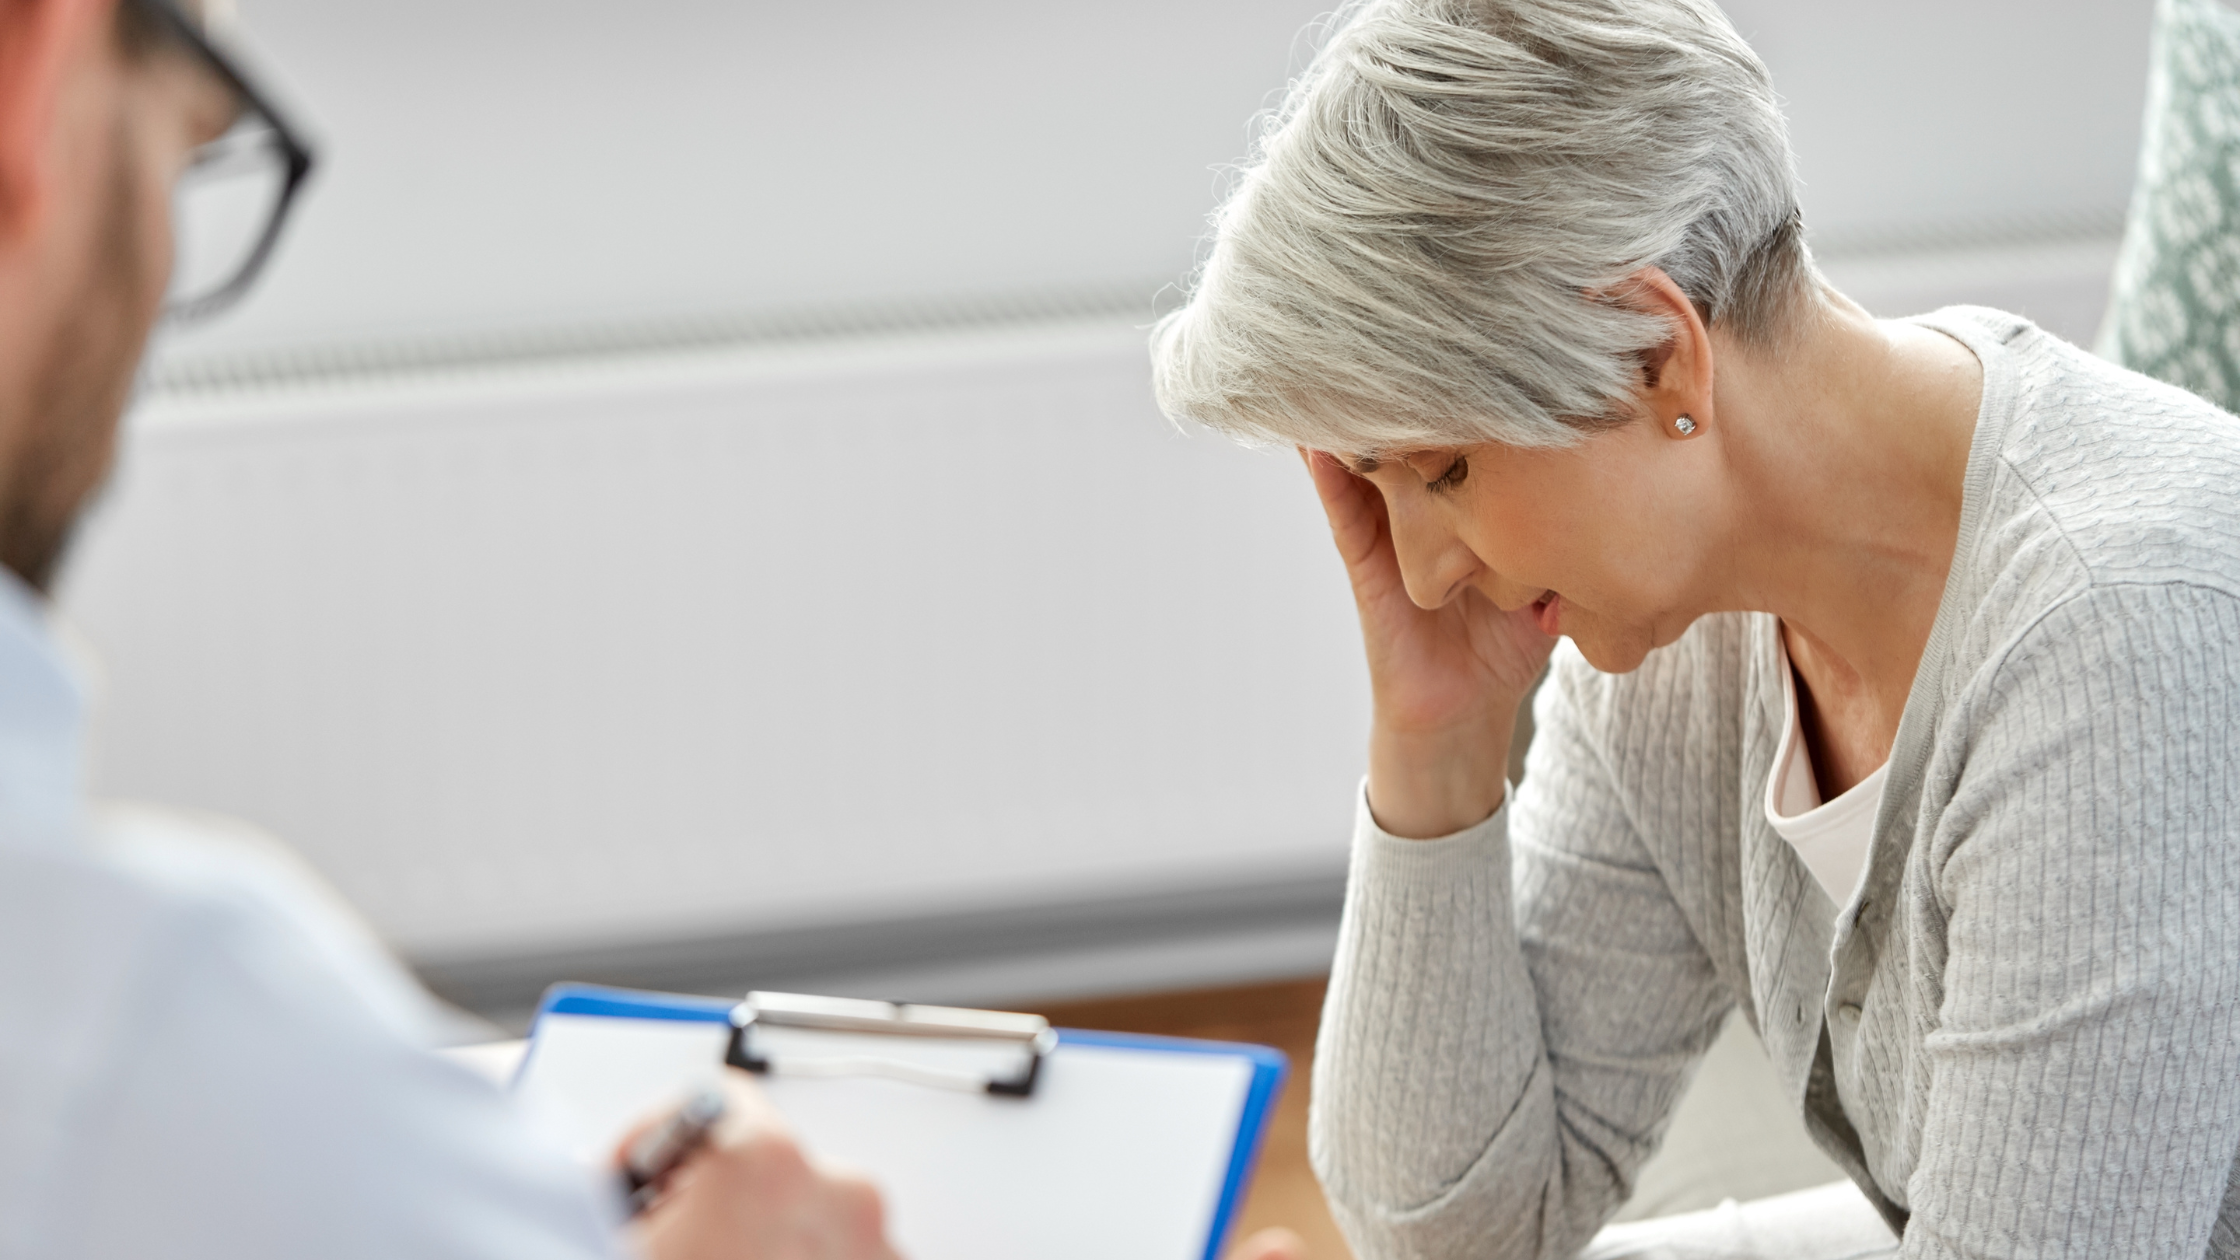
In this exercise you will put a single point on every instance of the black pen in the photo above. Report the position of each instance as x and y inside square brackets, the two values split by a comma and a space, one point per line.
[659, 1151]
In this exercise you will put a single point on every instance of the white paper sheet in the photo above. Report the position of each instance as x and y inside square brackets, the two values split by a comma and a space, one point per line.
[1120, 1155]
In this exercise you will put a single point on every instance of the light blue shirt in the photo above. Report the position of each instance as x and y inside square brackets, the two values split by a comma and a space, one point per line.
[201, 1056]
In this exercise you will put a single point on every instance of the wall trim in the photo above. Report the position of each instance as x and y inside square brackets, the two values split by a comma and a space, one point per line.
[193, 376]
[189, 376]
[502, 987]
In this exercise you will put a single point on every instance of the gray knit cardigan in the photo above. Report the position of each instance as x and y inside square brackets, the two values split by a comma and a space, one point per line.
[2024, 1040]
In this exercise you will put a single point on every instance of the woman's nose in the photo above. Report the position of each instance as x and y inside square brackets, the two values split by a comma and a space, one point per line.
[1434, 564]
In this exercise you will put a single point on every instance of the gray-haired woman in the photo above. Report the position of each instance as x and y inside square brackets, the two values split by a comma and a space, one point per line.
[1902, 698]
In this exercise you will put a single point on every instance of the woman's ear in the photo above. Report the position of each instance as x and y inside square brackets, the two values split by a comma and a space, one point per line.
[1676, 375]
[41, 42]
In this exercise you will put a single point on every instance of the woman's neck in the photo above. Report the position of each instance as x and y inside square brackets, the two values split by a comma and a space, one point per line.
[1847, 457]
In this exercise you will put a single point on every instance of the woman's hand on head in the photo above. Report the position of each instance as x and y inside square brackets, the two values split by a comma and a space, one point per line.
[754, 1194]
[1446, 680]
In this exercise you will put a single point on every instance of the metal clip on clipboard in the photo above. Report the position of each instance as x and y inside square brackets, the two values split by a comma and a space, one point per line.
[792, 1034]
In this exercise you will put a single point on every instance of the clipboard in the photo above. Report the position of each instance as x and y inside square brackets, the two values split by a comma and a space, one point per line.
[1001, 1141]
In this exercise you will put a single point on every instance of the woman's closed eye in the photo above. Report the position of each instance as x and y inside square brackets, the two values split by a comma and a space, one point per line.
[1454, 476]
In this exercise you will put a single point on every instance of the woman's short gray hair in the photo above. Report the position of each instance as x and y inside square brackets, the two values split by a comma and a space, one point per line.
[1429, 244]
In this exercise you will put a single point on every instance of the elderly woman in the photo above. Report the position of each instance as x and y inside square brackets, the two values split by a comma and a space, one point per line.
[1901, 698]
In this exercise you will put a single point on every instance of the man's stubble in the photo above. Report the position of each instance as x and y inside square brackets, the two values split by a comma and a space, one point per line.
[79, 395]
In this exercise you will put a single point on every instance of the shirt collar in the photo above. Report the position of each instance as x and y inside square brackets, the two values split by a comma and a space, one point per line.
[42, 724]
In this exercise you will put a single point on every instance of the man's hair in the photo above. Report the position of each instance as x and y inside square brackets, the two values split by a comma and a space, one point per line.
[1429, 244]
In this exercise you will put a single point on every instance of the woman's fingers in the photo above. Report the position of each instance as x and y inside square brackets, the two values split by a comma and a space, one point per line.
[1359, 526]
[1353, 507]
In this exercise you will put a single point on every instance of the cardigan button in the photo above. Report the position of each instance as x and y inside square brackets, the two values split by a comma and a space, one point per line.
[1849, 1014]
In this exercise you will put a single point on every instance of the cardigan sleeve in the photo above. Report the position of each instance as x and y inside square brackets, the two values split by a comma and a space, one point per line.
[2083, 1091]
[1512, 1015]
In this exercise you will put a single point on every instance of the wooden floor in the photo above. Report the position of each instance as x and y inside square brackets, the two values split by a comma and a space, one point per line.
[1282, 1015]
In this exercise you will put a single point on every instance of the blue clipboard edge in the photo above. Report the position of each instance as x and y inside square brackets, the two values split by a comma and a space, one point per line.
[1268, 1067]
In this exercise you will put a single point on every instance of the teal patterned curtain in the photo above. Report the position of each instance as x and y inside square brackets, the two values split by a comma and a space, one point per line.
[2175, 309]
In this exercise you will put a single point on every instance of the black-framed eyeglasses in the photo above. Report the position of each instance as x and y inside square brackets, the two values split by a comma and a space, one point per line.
[231, 202]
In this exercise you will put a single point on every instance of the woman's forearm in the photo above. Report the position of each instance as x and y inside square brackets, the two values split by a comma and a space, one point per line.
[1434, 1124]
[1512, 1014]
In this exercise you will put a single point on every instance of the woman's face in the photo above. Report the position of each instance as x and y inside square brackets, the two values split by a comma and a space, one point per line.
[1598, 536]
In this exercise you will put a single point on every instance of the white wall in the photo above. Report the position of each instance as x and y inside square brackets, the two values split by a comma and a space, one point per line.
[528, 661]
[1936, 114]
[493, 163]
[497, 161]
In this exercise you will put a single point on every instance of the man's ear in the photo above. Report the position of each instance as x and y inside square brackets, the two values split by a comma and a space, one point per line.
[40, 40]
[1676, 375]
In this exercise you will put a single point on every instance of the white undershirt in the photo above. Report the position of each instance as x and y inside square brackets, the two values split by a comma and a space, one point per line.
[1833, 836]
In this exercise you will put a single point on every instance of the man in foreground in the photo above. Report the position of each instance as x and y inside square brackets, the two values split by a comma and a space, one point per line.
[199, 1055]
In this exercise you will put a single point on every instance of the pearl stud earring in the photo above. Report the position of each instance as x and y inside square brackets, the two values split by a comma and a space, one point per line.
[1686, 425]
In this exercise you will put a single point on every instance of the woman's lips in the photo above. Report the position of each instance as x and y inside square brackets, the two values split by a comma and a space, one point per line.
[1548, 611]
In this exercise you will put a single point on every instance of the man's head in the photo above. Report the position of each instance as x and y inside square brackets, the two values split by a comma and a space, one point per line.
[99, 113]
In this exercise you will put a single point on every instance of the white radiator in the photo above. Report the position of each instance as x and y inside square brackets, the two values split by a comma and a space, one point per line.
[592, 654]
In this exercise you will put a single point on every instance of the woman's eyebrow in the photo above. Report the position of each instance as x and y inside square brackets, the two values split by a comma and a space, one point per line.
[1363, 466]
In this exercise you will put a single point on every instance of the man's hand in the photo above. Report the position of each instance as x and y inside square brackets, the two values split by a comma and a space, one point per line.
[753, 1194]
[1270, 1244]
